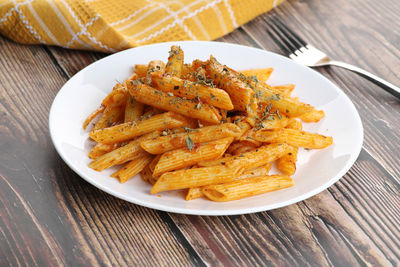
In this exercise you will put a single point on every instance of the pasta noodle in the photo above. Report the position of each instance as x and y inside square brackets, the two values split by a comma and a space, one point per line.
[293, 137]
[169, 142]
[180, 158]
[129, 130]
[246, 187]
[202, 127]
[194, 178]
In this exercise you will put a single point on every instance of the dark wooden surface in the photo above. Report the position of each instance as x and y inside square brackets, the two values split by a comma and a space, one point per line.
[50, 216]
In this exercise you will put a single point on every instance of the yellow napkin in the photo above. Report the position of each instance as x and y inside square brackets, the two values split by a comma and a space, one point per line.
[112, 25]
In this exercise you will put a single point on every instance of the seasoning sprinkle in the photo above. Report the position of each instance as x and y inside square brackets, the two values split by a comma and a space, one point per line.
[259, 94]
[253, 78]
[278, 114]
[242, 77]
[273, 97]
[189, 143]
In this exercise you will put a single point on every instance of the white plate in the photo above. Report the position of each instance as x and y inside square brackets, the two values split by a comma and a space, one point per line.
[316, 171]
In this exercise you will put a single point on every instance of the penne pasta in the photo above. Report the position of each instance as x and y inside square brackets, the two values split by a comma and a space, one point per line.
[132, 168]
[287, 163]
[198, 65]
[184, 157]
[187, 70]
[153, 163]
[146, 174]
[244, 127]
[294, 124]
[111, 108]
[133, 76]
[129, 130]
[266, 122]
[293, 137]
[285, 104]
[133, 110]
[192, 90]
[271, 119]
[195, 177]
[246, 187]
[110, 116]
[150, 111]
[262, 75]
[196, 192]
[155, 66]
[242, 96]
[199, 73]
[125, 153]
[101, 149]
[313, 116]
[140, 70]
[252, 159]
[231, 149]
[190, 108]
[117, 97]
[193, 193]
[242, 147]
[115, 158]
[249, 137]
[284, 89]
[175, 61]
[259, 171]
[169, 142]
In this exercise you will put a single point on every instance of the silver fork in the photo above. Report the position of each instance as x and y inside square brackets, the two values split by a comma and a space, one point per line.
[298, 50]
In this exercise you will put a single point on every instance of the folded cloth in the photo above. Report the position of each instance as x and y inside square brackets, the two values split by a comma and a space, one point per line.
[114, 25]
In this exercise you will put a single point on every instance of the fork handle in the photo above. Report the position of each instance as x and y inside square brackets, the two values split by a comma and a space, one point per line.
[387, 86]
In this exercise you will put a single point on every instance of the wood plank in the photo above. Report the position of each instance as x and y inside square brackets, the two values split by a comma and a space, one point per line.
[50, 216]
[72, 61]
[371, 197]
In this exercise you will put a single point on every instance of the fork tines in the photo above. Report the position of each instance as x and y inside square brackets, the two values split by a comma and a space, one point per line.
[288, 40]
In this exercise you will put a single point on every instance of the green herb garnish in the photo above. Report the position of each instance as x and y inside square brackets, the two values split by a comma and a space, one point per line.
[189, 143]
[259, 94]
[273, 97]
[278, 114]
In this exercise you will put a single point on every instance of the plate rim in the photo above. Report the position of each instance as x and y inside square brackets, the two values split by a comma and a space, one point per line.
[221, 212]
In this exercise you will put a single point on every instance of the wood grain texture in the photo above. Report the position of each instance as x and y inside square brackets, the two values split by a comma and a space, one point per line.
[50, 216]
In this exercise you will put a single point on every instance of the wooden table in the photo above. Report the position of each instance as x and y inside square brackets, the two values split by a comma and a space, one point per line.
[50, 216]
